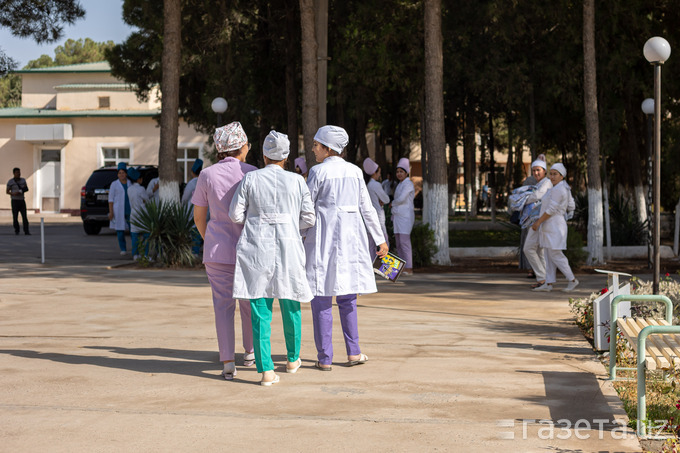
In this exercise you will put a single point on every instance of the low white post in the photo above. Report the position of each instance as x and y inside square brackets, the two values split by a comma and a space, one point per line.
[42, 240]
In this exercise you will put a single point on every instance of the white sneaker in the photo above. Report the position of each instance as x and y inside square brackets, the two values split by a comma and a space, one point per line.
[544, 287]
[571, 286]
[136, 257]
[249, 359]
[123, 253]
[229, 371]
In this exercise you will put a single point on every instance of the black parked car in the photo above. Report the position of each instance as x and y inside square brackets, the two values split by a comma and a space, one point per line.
[94, 196]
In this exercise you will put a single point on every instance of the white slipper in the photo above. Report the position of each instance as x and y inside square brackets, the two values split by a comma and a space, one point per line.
[272, 382]
[298, 364]
[229, 371]
[363, 358]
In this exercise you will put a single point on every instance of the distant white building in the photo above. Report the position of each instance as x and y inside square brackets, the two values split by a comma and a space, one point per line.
[74, 119]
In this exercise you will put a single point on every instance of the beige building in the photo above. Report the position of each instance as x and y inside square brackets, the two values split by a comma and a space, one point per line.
[74, 119]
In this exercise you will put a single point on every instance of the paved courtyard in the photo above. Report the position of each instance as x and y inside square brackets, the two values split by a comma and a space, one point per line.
[95, 357]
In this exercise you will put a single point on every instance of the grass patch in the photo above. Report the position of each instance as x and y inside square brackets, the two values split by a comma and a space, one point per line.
[479, 238]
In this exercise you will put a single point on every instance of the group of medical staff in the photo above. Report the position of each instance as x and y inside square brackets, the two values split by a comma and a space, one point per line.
[271, 235]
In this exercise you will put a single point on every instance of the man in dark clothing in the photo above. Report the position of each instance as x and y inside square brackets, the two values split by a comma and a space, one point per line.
[16, 188]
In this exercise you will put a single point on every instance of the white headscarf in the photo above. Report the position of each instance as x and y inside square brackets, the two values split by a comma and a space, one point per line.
[334, 137]
[560, 168]
[276, 146]
[539, 162]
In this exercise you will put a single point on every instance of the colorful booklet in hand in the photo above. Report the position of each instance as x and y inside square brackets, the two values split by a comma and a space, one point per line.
[389, 266]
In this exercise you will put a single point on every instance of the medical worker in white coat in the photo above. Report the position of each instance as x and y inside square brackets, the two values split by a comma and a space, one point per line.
[119, 206]
[274, 205]
[532, 247]
[338, 260]
[403, 213]
[552, 228]
[378, 196]
[189, 190]
[138, 198]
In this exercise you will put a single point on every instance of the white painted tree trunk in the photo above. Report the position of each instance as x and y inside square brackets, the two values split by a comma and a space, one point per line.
[595, 220]
[168, 191]
[437, 200]
[640, 202]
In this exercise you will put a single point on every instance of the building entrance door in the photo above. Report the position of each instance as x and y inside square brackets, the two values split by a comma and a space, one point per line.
[50, 180]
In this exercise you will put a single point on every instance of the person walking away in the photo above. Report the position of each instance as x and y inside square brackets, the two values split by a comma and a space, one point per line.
[214, 190]
[274, 205]
[119, 206]
[301, 167]
[16, 188]
[532, 247]
[186, 201]
[378, 197]
[552, 226]
[338, 261]
[403, 213]
[138, 198]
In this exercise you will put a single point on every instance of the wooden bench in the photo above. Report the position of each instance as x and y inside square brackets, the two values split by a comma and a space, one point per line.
[658, 352]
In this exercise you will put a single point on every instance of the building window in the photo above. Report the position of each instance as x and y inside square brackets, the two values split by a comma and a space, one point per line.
[111, 157]
[185, 160]
[104, 102]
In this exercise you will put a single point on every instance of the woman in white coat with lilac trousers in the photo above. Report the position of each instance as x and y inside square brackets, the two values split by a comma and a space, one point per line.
[338, 259]
[403, 213]
[552, 228]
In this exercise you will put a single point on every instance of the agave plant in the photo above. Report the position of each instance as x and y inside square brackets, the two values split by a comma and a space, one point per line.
[169, 226]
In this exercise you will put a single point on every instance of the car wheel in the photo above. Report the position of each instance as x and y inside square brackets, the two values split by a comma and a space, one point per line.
[91, 228]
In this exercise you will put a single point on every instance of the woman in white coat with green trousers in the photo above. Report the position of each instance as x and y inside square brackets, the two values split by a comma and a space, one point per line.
[274, 205]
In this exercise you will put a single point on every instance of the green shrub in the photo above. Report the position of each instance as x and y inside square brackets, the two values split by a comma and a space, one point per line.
[169, 227]
[422, 244]
[574, 252]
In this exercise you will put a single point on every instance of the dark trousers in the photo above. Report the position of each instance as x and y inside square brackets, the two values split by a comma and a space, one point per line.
[19, 206]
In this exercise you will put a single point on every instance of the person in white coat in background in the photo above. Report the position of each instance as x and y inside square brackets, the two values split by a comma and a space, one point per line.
[119, 207]
[403, 213]
[532, 247]
[274, 205]
[138, 197]
[338, 259]
[552, 228]
[189, 190]
[378, 197]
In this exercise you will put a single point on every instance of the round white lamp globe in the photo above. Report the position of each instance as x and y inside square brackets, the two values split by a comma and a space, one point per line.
[219, 105]
[657, 50]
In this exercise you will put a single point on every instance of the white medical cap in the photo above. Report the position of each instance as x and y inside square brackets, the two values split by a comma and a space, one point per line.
[334, 137]
[539, 162]
[370, 167]
[276, 146]
[300, 162]
[230, 137]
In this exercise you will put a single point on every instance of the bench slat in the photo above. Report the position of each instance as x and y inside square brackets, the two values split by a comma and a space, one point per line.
[671, 342]
[655, 348]
[630, 329]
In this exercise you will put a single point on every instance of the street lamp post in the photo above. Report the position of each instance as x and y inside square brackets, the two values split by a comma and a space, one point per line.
[656, 51]
[219, 106]
[648, 110]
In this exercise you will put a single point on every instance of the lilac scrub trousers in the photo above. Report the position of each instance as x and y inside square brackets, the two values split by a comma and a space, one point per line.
[322, 313]
[404, 250]
[221, 277]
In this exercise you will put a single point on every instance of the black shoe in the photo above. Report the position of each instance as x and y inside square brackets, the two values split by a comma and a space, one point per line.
[16, 232]
[26, 233]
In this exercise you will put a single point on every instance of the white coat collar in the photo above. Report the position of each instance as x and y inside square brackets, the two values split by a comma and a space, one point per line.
[332, 158]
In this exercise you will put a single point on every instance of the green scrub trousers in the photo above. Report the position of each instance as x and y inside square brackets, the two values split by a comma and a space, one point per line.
[261, 316]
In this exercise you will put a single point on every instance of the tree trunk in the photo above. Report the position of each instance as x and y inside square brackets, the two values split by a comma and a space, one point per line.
[291, 85]
[492, 172]
[509, 163]
[437, 188]
[595, 234]
[469, 145]
[452, 139]
[310, 106]
[170, 62]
